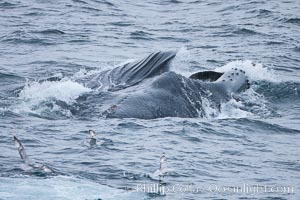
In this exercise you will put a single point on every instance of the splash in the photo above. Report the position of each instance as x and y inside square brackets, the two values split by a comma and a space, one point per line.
[254, 71]
[65, 90]
[209, 109]
[248, 103]
[42, 98]
[182, 62]
[233, 109]
[185, 60]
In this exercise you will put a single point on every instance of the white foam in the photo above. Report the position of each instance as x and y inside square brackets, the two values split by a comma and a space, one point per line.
[65, 90]
[34, 96]
[250, 103]
[254, 71]
[233, 109]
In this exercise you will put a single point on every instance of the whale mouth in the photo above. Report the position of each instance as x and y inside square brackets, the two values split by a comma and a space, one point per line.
[207, 76]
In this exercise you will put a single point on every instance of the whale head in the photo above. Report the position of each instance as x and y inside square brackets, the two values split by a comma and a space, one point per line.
[233, 81]
[227, 83]
[223, 86]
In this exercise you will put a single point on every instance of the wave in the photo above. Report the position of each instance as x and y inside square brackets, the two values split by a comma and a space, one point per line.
[245, 31]
[168, 2]
[9, 76]
[91, 9]
[122, 23]
[277, 92]
[297, 49]
[275, 43]
[141, 35]
[264, 12]
[176, 39]
[51, 31]
[33, 13]
[7, 5]
[105, 2]
[261, 12]
[293, 21]
[22, 37]
[79, 1]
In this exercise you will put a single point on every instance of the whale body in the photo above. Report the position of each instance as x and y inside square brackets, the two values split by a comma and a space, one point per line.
[148, 89]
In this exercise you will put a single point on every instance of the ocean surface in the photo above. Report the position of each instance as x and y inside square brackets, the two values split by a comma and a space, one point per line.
[249, 143]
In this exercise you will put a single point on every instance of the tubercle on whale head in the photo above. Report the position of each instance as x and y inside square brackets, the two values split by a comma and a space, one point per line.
[234, 81]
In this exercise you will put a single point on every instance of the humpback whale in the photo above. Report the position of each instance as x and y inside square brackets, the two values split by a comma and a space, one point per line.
[148, 88]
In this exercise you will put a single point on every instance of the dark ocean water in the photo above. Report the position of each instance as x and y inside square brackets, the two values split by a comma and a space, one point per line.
[253, 142]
